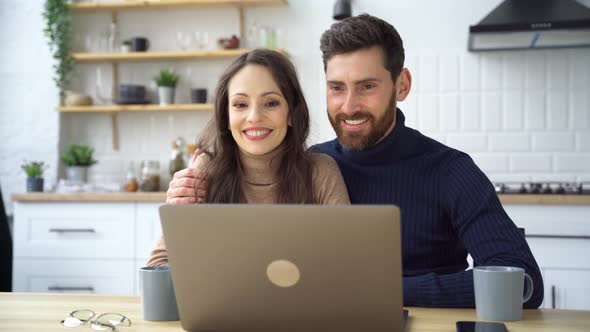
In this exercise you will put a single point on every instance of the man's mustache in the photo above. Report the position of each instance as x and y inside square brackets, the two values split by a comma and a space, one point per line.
[354, 116]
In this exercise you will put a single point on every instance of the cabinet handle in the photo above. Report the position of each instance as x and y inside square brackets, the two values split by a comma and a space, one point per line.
[60, 288]
[570, 237]
[552, 297]
[71, 230]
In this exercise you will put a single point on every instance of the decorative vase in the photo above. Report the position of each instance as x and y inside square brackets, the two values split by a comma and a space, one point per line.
[166, 95]
[77, 173]
[34, 184]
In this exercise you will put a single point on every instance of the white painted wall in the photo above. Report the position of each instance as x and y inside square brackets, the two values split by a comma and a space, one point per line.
[521, 115]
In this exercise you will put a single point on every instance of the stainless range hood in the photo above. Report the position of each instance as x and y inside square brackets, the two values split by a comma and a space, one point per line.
[532, 24]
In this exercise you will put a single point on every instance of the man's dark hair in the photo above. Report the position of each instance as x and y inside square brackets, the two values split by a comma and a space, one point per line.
[361, 32]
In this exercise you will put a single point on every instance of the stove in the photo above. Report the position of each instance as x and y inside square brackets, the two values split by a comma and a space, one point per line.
[543, 188]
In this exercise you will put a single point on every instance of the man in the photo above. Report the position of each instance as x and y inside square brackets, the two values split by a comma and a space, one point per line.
[449, 208]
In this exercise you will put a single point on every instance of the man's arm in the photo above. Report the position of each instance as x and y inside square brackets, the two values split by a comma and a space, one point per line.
[485, 230]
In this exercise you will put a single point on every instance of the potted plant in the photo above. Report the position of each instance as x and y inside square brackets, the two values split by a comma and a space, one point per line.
[166, 82]
[34, 170]
[58, 30]
[126, 46]
[77, 158]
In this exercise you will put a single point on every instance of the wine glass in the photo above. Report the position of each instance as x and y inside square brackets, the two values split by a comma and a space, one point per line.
[183, 40]
[103, 91]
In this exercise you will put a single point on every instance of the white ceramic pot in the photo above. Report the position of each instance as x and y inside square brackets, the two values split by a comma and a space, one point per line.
[77, 173]
[166, 95]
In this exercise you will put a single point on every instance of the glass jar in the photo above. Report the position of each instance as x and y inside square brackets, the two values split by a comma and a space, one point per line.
[150, 175]
[131, 183]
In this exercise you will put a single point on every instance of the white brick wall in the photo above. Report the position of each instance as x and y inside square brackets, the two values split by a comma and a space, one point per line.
[522, 115]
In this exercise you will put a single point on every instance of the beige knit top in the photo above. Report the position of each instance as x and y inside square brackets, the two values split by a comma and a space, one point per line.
[260, 185]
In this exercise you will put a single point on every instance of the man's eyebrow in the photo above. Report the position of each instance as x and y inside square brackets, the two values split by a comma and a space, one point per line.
[367, 80]
[363, 81]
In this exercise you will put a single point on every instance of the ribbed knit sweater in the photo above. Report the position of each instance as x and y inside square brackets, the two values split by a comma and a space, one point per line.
[449, 208]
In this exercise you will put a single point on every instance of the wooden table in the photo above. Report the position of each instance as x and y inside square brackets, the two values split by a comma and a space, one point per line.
[43, 312]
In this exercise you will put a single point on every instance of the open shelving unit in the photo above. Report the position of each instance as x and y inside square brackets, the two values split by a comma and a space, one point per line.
[116, 58]
[164, 4]
[155, 56]
[135, 108]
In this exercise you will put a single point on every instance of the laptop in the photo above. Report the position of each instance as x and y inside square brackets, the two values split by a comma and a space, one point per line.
[247, 267]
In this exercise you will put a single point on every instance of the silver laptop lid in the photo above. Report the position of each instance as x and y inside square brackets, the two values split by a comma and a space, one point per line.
[285, 267]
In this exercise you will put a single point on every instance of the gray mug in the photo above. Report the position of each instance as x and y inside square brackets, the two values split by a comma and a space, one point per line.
[499, 292]
[158, 301]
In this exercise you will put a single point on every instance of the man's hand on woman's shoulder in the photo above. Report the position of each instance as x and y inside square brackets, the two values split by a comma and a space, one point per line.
[189, 185]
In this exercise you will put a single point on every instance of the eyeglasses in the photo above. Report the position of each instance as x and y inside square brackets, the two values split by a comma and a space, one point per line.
[102, 322]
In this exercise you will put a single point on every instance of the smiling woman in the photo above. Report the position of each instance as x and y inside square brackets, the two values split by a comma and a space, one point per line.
[255, 144]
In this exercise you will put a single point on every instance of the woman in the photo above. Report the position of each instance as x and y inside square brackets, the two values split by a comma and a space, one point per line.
[257, 144]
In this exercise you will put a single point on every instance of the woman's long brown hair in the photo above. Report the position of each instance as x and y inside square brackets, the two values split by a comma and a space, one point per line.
[225, 171]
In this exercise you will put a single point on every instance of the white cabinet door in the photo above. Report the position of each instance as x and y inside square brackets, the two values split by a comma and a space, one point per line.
[95, 276]
[148, 229]
[560, 253]
[567, 289]
[74, 230]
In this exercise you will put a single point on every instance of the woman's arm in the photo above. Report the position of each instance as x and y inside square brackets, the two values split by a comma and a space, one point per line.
[181, 190]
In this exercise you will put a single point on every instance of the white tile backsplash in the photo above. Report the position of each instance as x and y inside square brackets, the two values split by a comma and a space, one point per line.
[580, 105]
[529, 162]
[449, 112]
[535, 73]
[583, 142]
[429, 120]
[429, 74]
[551, 142]
[534, 109]
[468, 143]
[449, 73]
[579, 69]
[557, 73]
[510, 142]
[470, 112]
[470, 72]
[557, 110]
[491, 76]
[492, 111]
[492, 162]
[514, 68]
[513, 110]
[579, 162]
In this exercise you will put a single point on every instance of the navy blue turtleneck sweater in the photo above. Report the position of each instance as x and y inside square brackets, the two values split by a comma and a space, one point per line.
[449, 208]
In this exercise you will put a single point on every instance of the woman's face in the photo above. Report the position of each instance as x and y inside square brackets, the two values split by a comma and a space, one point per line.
[258, 111]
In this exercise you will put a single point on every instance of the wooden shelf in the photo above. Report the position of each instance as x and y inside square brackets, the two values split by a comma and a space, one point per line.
[171, 4]
[135, 108]
[151, 56]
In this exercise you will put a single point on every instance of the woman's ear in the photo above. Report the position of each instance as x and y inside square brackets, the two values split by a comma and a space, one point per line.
[289, 122]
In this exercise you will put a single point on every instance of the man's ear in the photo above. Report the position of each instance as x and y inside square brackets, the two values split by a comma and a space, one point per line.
[403, 85]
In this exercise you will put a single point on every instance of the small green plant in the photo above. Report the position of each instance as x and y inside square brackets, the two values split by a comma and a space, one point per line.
[34, 169]
[78, 155]
[127, 42]
[167, 77]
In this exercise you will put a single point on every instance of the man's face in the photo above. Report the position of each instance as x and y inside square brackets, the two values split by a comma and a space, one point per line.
[361, 98]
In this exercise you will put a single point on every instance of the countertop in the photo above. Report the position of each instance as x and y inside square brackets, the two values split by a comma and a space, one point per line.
[509, 199]
[43, 312]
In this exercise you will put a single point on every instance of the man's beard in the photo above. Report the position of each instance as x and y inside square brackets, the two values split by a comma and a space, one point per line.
[356, 141]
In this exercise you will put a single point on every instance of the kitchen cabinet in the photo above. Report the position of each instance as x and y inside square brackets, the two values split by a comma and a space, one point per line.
[82, 247]
[116, 58]
[559, 237]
